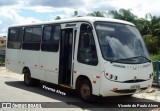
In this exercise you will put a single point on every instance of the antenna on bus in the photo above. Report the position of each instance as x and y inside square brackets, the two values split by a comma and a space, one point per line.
[75, 13]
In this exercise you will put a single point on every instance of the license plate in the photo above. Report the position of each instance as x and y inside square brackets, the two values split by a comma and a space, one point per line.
[135, 86]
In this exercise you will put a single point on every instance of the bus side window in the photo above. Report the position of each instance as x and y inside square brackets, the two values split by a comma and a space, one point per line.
[15, 38]
[87, 53]
[50, 39]
[32, 38]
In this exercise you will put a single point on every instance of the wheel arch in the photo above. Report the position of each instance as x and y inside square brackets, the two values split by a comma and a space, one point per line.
[25, 69]
[79, 79]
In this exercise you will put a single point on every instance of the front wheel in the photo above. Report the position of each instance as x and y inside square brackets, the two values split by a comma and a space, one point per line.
[86, 91]
[28, 80]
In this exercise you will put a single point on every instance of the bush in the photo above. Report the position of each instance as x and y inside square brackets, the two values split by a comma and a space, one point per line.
[151, 43]
[2, 61]
[155, 57]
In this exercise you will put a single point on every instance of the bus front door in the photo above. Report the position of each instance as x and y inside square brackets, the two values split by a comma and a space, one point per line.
[65, 62]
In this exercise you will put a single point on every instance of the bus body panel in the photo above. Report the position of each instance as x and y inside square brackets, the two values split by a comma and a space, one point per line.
[107, 90]
[13, 60]
[128, 75]
[49, 62]
[45, 65]
[43, 69]
[92, 72]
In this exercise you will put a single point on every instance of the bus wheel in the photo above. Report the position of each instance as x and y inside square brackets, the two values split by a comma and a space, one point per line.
[129, 96]
[28, 80]
[86, 91]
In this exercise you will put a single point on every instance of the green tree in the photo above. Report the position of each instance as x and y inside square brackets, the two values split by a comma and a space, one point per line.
[151, 43]
[124, 14]
[153, 24]
[142, 25]
[149, 25]
[97, 14]
[57, 18]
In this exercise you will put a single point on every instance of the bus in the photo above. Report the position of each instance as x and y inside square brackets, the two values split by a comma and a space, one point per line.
[95, 56]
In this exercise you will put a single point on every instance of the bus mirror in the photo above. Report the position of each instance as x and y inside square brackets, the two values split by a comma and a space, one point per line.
[89, 28]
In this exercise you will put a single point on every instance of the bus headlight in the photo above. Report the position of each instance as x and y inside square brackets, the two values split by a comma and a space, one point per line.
[110, 76]
[115, 78]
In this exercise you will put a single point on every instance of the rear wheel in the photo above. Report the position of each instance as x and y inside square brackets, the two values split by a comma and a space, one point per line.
[28, 80]
[85, 91]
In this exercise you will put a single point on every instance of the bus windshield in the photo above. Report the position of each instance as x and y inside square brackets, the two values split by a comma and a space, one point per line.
[121, 43]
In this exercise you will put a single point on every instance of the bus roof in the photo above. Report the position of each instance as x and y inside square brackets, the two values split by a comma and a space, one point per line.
[78, 19]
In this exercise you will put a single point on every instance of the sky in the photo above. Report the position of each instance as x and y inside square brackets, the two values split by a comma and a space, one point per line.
[28, 11]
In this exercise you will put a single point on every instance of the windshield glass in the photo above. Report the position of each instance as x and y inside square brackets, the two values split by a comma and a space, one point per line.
[121, 43]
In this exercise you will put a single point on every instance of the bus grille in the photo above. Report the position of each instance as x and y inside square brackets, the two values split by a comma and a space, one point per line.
[124, 91]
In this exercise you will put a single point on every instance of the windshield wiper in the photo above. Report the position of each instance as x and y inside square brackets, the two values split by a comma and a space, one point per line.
[132, 59]
[143, 57]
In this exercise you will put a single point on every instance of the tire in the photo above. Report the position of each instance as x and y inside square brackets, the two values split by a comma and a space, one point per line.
[28, 80]
[85, 91]
[129, 96]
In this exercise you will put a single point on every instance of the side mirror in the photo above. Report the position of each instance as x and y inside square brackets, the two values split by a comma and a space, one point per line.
[89, 28]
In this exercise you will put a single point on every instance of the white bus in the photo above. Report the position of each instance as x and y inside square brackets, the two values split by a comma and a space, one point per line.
[95, 56]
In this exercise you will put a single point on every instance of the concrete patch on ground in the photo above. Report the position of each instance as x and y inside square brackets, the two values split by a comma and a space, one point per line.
[8, 74]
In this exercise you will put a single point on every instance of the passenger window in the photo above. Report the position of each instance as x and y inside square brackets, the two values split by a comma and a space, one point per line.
[87, 53]
[47, 34]
[15, 38]
[32, 38]
[50, 40]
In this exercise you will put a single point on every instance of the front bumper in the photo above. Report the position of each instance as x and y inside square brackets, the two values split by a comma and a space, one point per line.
[117, 89]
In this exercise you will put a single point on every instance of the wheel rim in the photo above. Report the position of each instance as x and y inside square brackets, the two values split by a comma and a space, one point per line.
[85, 91]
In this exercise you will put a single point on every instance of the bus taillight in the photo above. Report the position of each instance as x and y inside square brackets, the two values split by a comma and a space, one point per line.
[114, 89]
[97, 76]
